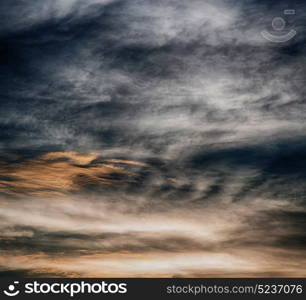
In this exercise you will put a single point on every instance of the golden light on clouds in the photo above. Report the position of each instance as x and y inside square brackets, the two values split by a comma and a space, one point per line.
[58, 173]
[92, 237]
[151, 138]
[119, 234]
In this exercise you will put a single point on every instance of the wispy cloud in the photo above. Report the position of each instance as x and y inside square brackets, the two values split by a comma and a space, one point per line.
[136, 133]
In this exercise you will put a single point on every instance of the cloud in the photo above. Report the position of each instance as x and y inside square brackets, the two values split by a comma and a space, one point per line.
[37, 13]
[137, 133]
[57, 173]
[91, 238]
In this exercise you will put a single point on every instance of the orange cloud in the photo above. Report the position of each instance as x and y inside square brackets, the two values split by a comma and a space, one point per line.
[192, 264]
[58, 173]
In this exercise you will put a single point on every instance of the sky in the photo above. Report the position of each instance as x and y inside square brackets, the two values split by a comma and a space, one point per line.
[152, 139]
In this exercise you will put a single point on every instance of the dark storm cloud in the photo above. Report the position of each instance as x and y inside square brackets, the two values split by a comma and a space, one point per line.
[94, 68]
[69, 243]
[154, 106]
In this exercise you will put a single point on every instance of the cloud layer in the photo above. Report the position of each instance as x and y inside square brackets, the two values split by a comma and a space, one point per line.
[151, 138]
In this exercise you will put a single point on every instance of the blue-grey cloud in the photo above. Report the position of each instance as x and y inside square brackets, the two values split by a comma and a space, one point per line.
[151, 110]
